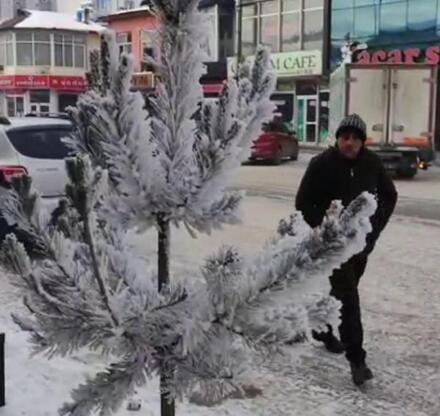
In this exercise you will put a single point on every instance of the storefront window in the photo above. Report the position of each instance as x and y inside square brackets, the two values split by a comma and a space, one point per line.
[313, 29]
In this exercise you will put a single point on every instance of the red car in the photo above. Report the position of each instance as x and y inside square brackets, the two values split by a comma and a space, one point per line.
[276, 143]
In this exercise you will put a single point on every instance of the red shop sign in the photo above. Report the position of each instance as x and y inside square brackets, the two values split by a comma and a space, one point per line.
[31, 81]
[68, 83]
[77, 84]
[406, 56]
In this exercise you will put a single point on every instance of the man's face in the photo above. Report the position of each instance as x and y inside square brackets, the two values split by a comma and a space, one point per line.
[349, 144]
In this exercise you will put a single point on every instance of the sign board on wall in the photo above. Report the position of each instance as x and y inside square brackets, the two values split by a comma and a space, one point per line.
[430, 55]
[288, 64]
[143, 80]
[64, 83]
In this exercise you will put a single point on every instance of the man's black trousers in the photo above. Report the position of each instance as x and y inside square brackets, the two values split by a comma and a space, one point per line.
[344, 282]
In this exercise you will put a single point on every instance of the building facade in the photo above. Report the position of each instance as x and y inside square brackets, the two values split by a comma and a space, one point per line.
[44, 61]
[386, 26]
[105, 7]
[135, 29]
[295, 32]
[393, 31]
[219, 44]
[9, 8]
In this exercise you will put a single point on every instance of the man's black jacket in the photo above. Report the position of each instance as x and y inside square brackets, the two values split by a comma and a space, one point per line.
[330, 176]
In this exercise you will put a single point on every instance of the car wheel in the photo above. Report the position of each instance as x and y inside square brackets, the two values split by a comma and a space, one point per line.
[407, 173]
[278, 157]
[294, 156]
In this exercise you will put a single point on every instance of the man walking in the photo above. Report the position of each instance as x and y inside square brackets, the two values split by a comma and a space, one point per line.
[342, 173]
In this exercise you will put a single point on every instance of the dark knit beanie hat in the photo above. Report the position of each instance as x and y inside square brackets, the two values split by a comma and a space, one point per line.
[353, 122]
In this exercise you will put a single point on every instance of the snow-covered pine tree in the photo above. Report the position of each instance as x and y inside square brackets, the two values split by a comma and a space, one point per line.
[83, 287]
[197, 145]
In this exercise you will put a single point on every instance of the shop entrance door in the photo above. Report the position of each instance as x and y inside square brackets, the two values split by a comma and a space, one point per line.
[307, 119]
[15, 105]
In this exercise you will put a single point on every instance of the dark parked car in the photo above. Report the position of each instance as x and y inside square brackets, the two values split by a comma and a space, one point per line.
[277, 142]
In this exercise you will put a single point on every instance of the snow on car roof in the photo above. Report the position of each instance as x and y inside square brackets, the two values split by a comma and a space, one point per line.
[53, 20]
[35, 121]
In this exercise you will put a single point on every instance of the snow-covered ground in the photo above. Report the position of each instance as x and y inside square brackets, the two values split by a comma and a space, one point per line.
[400, 295]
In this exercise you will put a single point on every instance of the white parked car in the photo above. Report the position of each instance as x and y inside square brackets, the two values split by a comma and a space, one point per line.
[34, 146]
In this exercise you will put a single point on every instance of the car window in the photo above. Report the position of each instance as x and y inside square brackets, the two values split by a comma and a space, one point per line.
[41, 142]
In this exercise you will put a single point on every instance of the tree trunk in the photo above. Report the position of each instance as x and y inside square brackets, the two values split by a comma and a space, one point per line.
[167, 407]
[2, 370]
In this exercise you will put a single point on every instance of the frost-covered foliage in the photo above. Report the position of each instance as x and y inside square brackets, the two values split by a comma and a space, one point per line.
[83, 288]
[82, 285]
[190, 147]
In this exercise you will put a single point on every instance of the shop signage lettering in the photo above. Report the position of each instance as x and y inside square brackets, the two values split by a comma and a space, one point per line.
[68, 83]
[77, 84]
[407, 56]
[31, 81]
[288, 64]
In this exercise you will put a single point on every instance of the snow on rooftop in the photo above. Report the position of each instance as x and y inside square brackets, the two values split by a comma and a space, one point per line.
[134, 10]
[54, 20]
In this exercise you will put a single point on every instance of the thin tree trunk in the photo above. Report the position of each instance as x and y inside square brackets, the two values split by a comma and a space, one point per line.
[167, 407]
[2, 370]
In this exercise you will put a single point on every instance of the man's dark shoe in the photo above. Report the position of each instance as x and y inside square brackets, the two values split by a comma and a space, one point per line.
[331, 343]
[360, 373]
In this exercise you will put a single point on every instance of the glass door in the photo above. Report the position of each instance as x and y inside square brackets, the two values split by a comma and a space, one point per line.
[307, 120]
[15, 105]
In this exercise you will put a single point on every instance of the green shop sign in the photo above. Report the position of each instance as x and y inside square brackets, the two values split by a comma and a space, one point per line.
[288, 64]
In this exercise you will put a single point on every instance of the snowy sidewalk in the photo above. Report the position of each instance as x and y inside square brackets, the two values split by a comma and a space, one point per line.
[400, 294]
